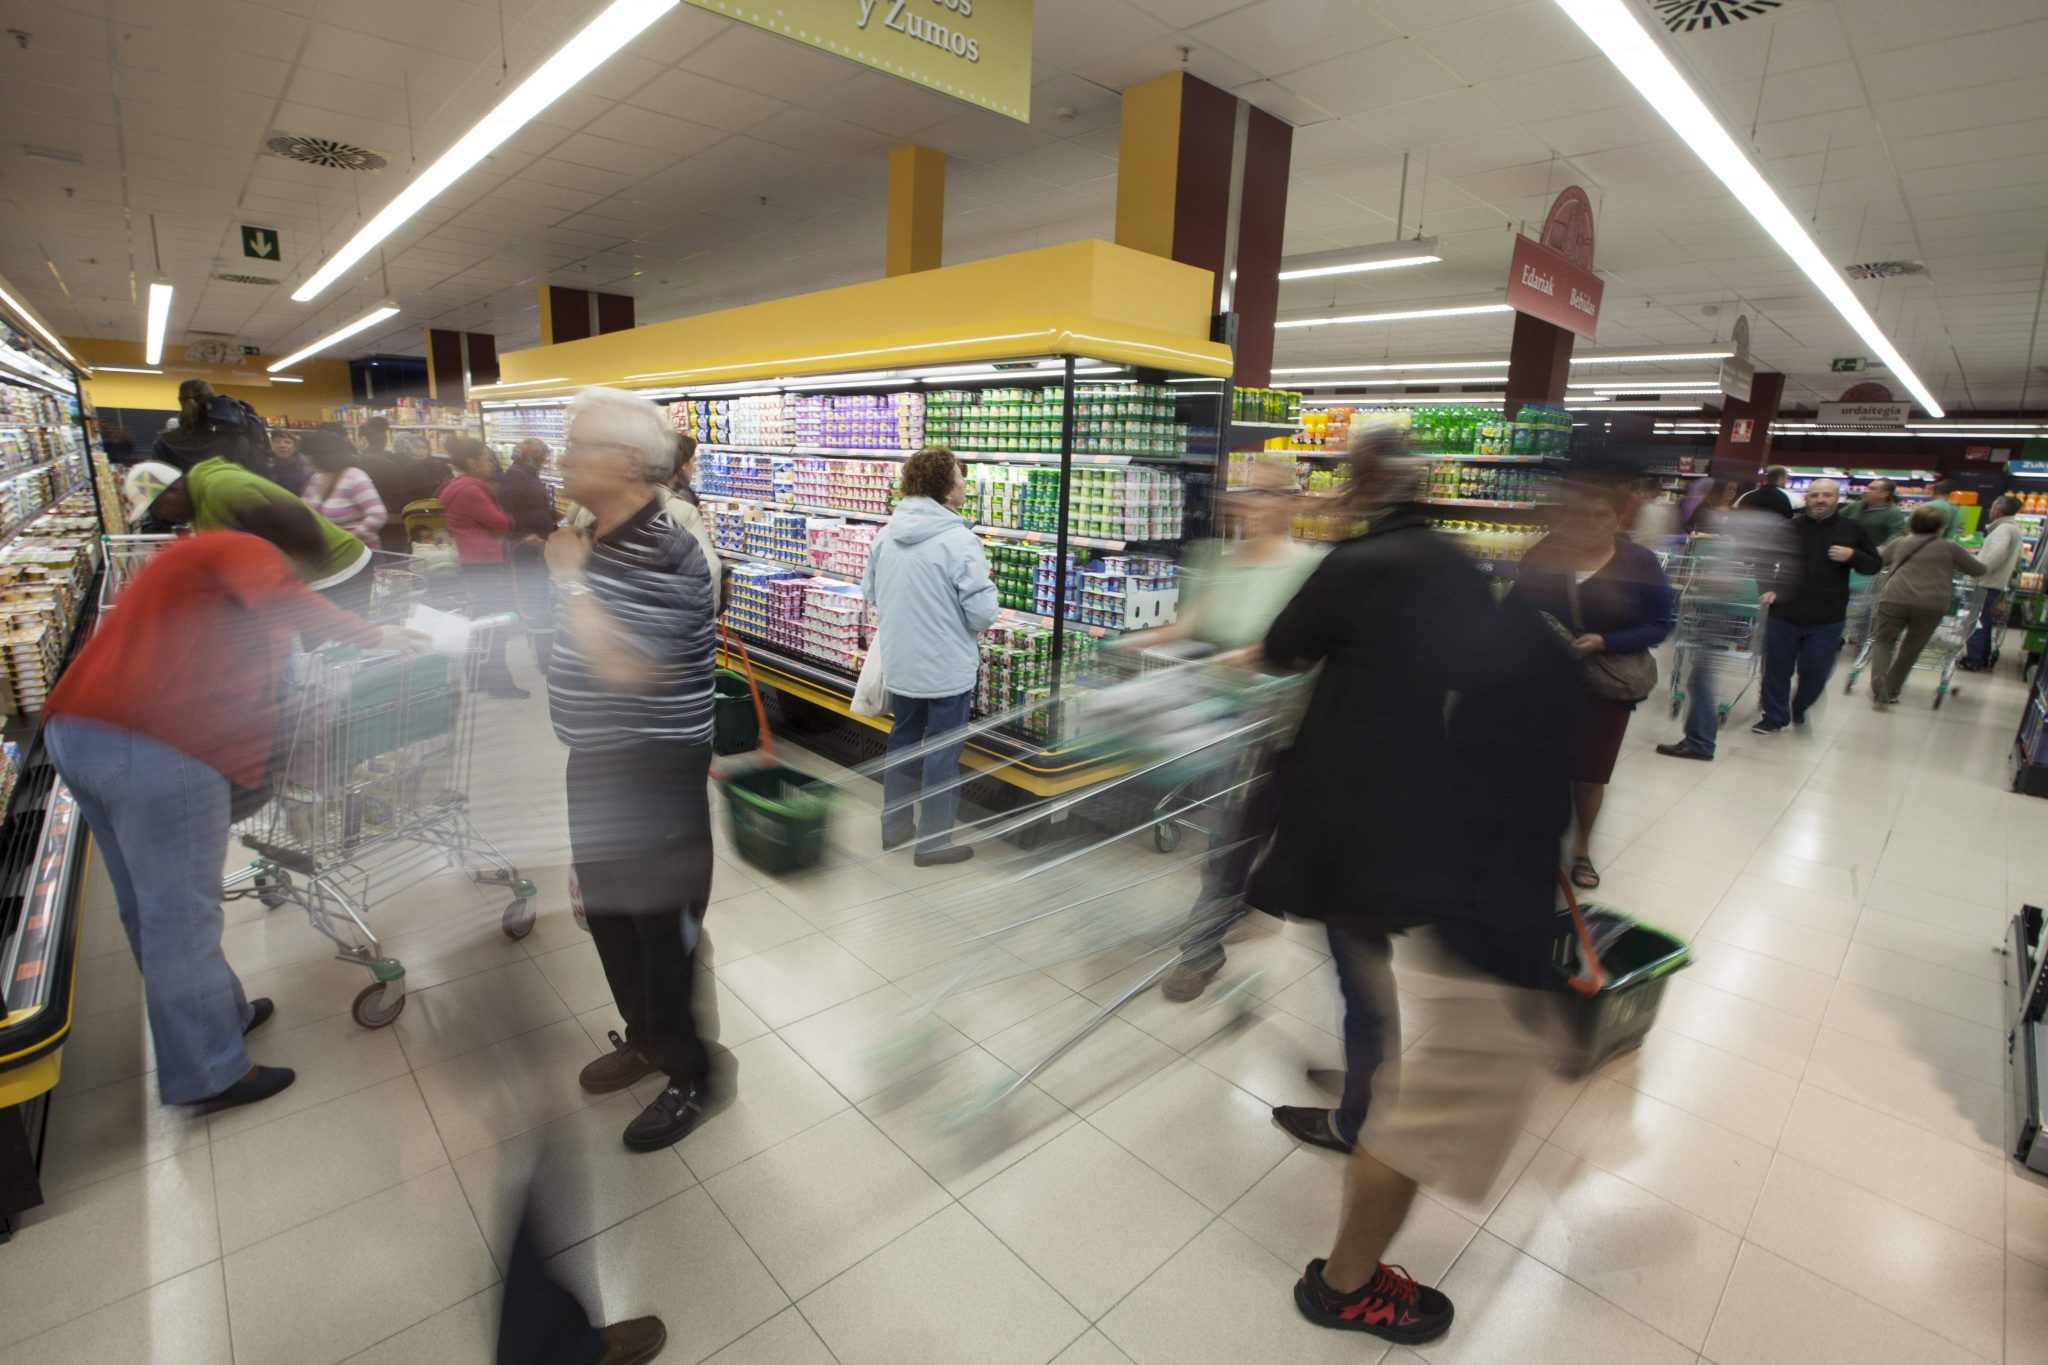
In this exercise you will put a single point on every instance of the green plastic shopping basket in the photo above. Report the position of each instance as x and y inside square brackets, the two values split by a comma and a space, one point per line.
[777, 813]
[1613, 969]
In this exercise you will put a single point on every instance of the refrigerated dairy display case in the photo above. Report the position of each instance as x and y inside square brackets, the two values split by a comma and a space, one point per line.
[1080, 387]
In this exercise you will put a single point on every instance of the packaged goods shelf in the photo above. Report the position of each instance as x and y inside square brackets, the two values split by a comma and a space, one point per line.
[970, 456]
[1480, 502]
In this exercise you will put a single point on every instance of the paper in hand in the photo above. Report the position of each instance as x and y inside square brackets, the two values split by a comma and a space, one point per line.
[446, 632]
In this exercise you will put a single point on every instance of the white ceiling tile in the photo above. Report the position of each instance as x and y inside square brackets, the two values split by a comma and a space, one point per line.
[699, 98]
[1276, 36]
[1185, 13]
[1370, 79]
[1511, 41]
[763, 62]
[645, 128]
[806, 130]
[1954, 62]
[613, 155]
[1068, 34]
[1121, 68]
[1283, 104]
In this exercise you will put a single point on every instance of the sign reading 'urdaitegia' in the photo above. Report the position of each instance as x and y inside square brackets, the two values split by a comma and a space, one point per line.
[973, 50]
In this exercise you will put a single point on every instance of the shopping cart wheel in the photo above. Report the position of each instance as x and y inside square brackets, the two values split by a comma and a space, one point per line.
[378, 1004]
[1166, 836]
[1677, 703]
[1939, 698]
[273, 888]
[519, 917]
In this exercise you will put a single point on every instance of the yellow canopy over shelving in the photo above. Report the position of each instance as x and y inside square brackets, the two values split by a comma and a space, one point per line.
[1092, 299]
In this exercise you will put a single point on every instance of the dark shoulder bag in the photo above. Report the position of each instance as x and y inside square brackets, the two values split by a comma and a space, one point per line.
[1628, 675]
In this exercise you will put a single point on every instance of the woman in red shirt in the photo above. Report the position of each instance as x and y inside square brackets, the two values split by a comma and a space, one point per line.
[479, 526]
[167, 710]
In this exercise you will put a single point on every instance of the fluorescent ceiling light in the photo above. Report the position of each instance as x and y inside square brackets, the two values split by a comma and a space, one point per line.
[1404, 379]
[1657, 358]
[620, 22]
[1649, 386]
[1402, 365]
[1644, 63]
[159, 320]
[1356, 260]
[1375, 400]
[1325, 319]
[1635, 407]
[341, 333]
[1578, 398]
[287, 379]
[123, 369]
[15, 307]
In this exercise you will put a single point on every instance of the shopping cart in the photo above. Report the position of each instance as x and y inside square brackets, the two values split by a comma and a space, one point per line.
[122, 557]
[1085, 906]
[1945, 649]
[1720, 626]
[1863, 591]
[370, 797]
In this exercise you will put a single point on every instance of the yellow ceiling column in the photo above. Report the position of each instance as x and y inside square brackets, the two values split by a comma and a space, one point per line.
[1148, 165]
[917, 208]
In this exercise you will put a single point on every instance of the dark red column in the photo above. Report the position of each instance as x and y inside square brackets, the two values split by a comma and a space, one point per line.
[1539, 363]
[1739, 459]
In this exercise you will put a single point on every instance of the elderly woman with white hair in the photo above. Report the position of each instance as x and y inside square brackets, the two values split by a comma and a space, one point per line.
[629, 689]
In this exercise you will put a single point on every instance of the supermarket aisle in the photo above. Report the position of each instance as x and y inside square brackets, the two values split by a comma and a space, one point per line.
[1802, 1165]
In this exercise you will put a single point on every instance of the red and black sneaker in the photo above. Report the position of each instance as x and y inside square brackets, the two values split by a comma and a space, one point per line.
[1391, 1306]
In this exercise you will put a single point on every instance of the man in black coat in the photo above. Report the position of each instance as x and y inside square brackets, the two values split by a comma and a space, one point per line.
[1770, 495]
[1426, 796]
[1807, 620]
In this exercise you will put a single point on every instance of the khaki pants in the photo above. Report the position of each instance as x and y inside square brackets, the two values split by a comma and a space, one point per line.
[1895, 642]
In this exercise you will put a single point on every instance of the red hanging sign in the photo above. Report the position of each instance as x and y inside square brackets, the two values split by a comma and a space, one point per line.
[1543, 284]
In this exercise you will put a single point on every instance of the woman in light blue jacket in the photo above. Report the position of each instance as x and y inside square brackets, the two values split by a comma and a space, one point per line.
[928, 579]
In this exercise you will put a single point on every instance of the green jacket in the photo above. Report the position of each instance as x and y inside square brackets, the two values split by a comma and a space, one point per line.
[221, 488]
[1885, 524]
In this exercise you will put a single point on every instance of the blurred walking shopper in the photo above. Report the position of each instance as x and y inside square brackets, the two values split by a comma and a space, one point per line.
[339, 490]
[1231, 592]
[1610, 597]
[1918, 592]
[2001, 551]
[1808, 617]
[629, 689]
[1769, 495]
[927, 577]
[540, 1322]
[1423, 686]
[211, 426]
[392, 477]
[529, 500]
[480, 527]
[165, 720]
[215, 495]
[1878, 512]
[688, 511]
[289, 467]
[1735, 557]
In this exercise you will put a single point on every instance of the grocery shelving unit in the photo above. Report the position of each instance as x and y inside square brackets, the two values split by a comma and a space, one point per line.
[47, 514]
[1045, 325]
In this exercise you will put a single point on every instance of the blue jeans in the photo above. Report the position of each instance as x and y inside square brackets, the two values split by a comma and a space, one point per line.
[1372, 1021]
[1808, 649]
[919, 719]
[1702, 710]
[1979, 655]
[160, 820]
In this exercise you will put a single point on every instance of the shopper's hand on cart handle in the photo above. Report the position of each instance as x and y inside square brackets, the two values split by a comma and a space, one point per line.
[1251, 656]
[1587, 644]
[568, 551]
[402, 641]
[1768, 599]
[1841, 554]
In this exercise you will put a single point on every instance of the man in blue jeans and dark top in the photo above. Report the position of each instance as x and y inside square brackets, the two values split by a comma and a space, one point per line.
[1805, 627]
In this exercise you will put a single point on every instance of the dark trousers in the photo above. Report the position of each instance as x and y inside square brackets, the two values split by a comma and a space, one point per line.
[1372, 1020]
[354, 592]
[1979, 655]
[1896, 639]
[640, 833]
[921, 796]
[490, 593]
[540, 1322]
[1807, 650]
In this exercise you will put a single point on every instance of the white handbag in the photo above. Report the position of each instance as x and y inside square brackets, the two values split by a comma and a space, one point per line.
[870, 692]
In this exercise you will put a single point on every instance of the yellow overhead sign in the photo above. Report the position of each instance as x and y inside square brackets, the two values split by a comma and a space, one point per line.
[974, 50]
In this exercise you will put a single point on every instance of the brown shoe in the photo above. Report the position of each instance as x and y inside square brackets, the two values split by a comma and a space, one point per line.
[1310, 1125]
[617, 1069]
[632, 1341]
[1185, 983]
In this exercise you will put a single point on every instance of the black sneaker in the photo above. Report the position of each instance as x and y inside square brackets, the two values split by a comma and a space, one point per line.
[1308, 1125]
[943, 857]
[1765, 727]
[669, 1119]
[1392, 1306]
[1683, 751]
[617, 1069]
[260, 1010]
[1799, 718]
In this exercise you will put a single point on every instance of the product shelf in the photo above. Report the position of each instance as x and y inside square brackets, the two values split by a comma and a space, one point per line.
[1487, 504]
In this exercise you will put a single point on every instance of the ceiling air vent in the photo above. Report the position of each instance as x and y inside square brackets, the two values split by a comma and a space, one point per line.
[1884, 270]
[225, 277]
[322, 151]
[1698, 16]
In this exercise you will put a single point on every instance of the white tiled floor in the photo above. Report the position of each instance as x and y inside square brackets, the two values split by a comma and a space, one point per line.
[1802, 1165]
